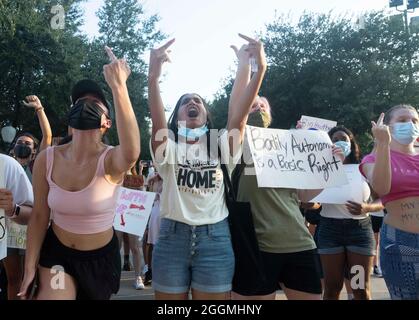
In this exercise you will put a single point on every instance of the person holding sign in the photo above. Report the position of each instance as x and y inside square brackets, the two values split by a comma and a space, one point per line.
[78, 257]
[287, 251]
[16, 199]
[194, 248]
[393, 172]
[345, 236]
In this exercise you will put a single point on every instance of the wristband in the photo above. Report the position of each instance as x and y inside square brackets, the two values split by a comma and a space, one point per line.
[16, 212]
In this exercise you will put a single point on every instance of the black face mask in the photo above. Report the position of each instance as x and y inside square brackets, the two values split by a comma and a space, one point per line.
[22, 151]
[85, 115]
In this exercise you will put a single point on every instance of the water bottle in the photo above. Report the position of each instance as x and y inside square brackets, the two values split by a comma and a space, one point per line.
[253, 65]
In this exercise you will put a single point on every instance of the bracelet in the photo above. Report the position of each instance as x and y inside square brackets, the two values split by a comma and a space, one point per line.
[16, 212]
[41, 108]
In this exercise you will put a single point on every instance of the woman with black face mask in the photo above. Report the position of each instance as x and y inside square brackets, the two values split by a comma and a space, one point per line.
[24, 151]
[77, 183]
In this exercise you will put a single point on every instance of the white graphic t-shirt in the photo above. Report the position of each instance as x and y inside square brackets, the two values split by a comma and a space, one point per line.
[193, 186]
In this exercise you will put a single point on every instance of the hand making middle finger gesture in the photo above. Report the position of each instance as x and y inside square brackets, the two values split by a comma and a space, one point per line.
[256, 51]
[242, 55]
[380, 131]
[117, 71]
[157, 58]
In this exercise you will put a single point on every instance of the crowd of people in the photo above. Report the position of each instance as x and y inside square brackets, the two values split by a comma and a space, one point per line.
[65, 195]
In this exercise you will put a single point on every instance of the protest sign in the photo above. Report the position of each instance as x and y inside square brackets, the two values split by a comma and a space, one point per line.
[342, 194]
[16, 235]
[300, 159]
[317, 123]
[133, 210]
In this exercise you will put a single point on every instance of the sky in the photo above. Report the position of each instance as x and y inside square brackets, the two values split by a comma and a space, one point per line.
[205, 29]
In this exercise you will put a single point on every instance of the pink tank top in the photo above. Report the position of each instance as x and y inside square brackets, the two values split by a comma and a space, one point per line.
[404, 175]
[87, 211]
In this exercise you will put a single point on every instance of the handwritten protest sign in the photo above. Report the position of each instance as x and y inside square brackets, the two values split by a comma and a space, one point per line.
[133, 210]
[341, 194]
[300, 159]
[16, 235]
[3, 230]
[317, 123]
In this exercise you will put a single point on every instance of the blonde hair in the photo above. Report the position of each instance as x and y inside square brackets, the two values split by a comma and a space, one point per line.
[389, 114]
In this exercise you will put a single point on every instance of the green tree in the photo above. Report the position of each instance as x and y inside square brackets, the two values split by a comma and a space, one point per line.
[129, 32]
[37, 59]
[323, 67]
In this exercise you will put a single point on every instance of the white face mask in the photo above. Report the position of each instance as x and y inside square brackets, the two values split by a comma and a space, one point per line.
[345, 146]
[405, 132]
[193, 134]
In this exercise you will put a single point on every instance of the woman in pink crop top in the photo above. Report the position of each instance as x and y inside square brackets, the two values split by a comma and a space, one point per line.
[77, 183]
[393, 172]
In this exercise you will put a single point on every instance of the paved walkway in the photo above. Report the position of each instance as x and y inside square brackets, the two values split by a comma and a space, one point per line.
[127, 291]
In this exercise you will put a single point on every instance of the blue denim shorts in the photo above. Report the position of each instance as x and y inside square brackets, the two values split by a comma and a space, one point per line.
[197, 257]
[337, 235]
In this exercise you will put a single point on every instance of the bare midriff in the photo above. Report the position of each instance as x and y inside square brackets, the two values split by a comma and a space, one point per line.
[403, 214]
[83, 242]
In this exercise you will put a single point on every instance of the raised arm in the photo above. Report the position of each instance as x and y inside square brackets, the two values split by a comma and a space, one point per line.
[38, 222]
[242, 77]
[157, 58]
[124, 156]
[35, 103]
[379, 174]
[244, 97]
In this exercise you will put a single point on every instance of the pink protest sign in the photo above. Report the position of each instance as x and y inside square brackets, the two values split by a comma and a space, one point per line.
[133, 209]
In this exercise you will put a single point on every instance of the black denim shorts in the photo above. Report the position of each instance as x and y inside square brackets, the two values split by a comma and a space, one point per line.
[337, 235]
[377, 222]
[299, 271]
[97, 272]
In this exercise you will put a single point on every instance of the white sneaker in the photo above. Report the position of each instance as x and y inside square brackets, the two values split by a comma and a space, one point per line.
[377, 272]
[139, 285]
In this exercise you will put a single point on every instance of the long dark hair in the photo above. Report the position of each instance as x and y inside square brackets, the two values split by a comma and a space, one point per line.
[355, 156]
[173, 120]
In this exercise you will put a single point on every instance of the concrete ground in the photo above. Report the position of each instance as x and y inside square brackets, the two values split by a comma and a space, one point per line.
[127, 291]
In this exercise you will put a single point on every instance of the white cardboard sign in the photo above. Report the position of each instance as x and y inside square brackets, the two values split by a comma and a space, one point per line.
[133, 210]
[344, 193]
[308, 123]
[300, 159]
